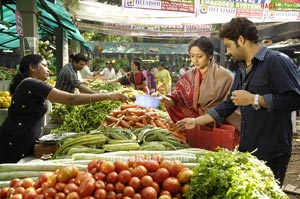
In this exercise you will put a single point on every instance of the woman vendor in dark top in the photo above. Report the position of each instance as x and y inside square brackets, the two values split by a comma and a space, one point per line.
[24, 123]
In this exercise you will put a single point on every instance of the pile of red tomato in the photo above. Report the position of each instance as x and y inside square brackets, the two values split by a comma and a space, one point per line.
[139, 178]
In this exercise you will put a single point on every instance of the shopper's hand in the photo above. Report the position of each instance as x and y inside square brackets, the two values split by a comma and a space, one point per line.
[119, 96]
[242, 98]
[166, 101]
[186, 123]
[157, 94]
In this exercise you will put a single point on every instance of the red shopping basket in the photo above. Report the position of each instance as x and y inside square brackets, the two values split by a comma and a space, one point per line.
[210, 138]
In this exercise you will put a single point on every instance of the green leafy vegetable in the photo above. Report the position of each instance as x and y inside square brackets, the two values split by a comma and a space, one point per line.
[105, 85]
[233, 175]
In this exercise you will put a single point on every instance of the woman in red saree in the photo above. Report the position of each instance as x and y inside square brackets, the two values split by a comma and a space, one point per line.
[200, 88]
[135, 78]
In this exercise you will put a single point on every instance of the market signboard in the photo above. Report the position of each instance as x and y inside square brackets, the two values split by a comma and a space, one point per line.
[198, 28]
[285, 4]
[258, 14]
[275, 15]
[178, 6]
[223, 10]
[163, 30]
[163, 5]
[217, 11]
[257, 10]
[255, 4]
[19, 23]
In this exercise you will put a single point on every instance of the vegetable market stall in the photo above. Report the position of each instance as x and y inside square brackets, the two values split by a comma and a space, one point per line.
[113, 150]
[142, 174]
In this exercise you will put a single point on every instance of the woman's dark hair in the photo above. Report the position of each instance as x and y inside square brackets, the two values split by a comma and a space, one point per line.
[239, 26]
[204, 44]
[137, 63]
[23, 71]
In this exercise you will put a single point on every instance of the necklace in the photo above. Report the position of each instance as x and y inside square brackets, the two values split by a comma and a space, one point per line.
[248, 68]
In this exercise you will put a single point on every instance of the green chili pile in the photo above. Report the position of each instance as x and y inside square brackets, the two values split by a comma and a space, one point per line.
[84, 118]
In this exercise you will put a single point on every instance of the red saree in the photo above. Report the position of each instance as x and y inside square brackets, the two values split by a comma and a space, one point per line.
[137, 80]
[194, 94]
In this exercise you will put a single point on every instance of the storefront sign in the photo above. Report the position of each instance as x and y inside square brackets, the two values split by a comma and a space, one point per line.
[198, 28]
[164, 5]
[145, 28]
[255, 4]
[215, 11]
[19, 23]
[281, 15]
[249, 13]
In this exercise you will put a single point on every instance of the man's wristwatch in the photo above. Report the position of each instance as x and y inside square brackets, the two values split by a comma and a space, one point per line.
[255, 104]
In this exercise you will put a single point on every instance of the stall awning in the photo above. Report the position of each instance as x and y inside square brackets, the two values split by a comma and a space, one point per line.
[52, 17]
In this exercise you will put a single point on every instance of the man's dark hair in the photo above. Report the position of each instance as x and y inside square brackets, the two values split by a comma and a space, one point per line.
[239, 26]
[80, 57]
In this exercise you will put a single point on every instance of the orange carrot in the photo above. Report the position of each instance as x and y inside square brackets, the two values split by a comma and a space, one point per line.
[139, 125]
[125, 124]
[148, 110]
[131, 122]
[131, 118]
[143, 119]
[126, 106]
[167, 125]
[110, 119]
[136, 111]
[119, 115]
[160, 124]
[178, 134]
[116, 112]
[151, 122]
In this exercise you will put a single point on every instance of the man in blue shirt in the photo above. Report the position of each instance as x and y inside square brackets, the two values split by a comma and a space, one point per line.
[266, 88]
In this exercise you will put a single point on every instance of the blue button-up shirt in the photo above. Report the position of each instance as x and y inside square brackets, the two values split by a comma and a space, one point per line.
[267, 131]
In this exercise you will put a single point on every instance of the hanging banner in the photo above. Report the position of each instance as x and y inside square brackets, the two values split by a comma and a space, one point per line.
[19, 23]
[275, 15]
[147, 14]
[162, 28]
[257, 10]
[282, 4]
[198, 28]
[255, 4]
[217, 11]
[163, 5]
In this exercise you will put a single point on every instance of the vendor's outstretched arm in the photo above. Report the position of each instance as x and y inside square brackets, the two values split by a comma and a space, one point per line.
[190, 123]
[85, 89]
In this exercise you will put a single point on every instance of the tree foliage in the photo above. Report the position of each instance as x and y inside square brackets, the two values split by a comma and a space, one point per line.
[71, 6]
